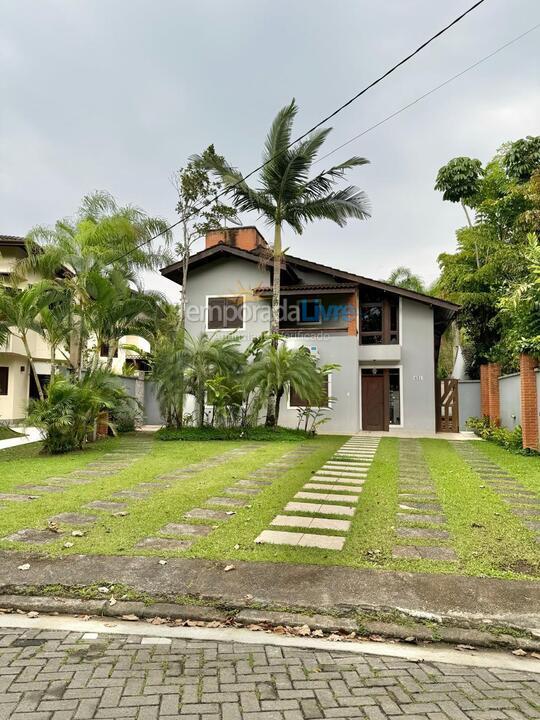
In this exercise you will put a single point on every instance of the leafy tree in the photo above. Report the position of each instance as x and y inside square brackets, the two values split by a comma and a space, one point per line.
[286, 195]
[196, 188]
[490, 254]
[404, 277]
[522, 158]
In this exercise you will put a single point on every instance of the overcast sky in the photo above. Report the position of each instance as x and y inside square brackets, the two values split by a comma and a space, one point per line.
[116, 94]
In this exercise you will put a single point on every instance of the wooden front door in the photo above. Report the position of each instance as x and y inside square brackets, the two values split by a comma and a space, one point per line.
[374, 400]
[447, 405]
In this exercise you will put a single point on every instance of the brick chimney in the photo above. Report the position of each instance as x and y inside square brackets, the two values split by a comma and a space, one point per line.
[243, 238]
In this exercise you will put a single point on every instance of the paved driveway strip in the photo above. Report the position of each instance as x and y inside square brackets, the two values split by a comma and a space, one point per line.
[59, 675]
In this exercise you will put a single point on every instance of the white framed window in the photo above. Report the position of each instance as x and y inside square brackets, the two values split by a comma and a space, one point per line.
[294, 401]
[225, 312]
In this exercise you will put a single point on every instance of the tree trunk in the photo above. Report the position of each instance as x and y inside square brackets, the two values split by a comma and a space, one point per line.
[112, 345]
[276, 284]
[471, 225]
[279, 395]
[32, 366]
[200, 410]
[53, 362]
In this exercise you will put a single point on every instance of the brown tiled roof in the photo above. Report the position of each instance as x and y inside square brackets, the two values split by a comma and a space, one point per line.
[261, 289]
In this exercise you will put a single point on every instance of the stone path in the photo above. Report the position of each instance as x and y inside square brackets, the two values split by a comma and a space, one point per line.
[222, 508]
[419, 510]
[331, 494]
[522, 502]
[110, 463]
[56, 675]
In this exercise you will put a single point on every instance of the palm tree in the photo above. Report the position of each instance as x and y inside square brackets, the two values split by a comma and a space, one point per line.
[404, 277]
[286, 194]
[207, 357]
[20, 314]
[77, 253]
[276, 369]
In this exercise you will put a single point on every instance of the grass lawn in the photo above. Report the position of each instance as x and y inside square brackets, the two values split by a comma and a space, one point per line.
[486, 537]
[7, 433]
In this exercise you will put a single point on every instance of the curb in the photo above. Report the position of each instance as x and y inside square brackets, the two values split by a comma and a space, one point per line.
[345, 628]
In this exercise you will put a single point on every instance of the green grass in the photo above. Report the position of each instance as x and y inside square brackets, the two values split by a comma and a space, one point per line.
[525, 468]
[486, 537]
[7, 433]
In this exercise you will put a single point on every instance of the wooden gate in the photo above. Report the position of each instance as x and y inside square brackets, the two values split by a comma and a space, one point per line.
[447, 405]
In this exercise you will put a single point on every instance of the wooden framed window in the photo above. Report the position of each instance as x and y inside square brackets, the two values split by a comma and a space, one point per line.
[296, 401]
[4, 380]
[104, 350]
[379, 319]
[225, 312]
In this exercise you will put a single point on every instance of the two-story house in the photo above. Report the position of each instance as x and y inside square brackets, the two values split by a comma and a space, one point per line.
[17, 383]
[385, 338]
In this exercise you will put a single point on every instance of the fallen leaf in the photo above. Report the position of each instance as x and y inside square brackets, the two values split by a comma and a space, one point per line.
[519, 652]
[533, 655]
[120, 513]
[376, 638]
[237, 546]
[112, 601]
[317, 633]
[104, 589]
[33, 614]
[410, 639]
[280, 630]
[26, 566]
[162, 562]
[130, 618]
[68, 544]
[230, 512]
[53, 526]
[77, 533]
[228, 568]
[463, 647]
[303, 630]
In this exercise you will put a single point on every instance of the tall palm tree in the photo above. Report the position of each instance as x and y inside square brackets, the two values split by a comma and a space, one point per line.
[404, 277]
[286, 194]
[77, 253]
[20, 314]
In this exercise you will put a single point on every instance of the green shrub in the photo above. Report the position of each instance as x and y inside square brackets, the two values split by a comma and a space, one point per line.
[487, 430]
[225, 433]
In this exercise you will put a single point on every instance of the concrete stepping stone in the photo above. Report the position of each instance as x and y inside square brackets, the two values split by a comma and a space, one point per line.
[343, 467]
[419, 506]
[341, 473]
[185, 529]
[525, 512]
[70, 518]
[423, 552]
[242, 491]
[338, 480]
[325, 542]
[427, 533]
[251, 483]
[30, 535]
[17, 498]
[327, 497]
[330, 486]
[106, 505]
[421, 518]
[41, 488]
[225, 501]
[301, 521]
[130, 494]
[316, 509]
[417, 497]
[206, 514]
[152, 485]
[163, 544]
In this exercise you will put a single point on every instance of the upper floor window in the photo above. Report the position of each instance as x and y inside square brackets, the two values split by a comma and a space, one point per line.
[379, 319]
[225, 312]
[104, 350]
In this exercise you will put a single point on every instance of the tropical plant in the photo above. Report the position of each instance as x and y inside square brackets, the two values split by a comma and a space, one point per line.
[20, 315]
[207, 357]
[68, 412]
[78, 253]
[278, 368]
[522, 158]
[286, 195]
[404, 277]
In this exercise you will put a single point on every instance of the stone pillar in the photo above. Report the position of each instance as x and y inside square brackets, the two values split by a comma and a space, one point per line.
[484, 391]
[529, 401]
[493, 372]
[139, 397]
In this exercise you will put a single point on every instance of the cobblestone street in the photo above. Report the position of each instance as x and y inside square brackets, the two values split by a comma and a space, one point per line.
[57, 675]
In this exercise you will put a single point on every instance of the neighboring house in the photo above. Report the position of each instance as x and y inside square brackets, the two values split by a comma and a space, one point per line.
[17, 383]
[385, 338]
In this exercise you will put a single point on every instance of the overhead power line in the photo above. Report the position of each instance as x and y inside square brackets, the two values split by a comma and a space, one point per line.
[429, 92]
[328, 117]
